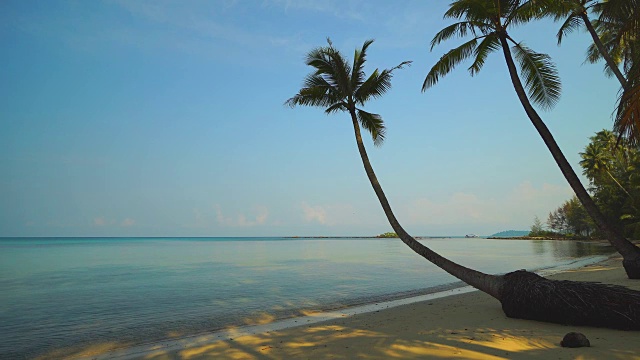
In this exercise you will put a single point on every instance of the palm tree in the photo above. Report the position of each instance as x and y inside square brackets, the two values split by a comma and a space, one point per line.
[577, 12]
[335, 85]
[615, 39]
[599, 156]
[488, 21]
[618, 26]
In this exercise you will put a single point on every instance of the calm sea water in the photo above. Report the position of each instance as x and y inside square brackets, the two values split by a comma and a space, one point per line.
[57, 293]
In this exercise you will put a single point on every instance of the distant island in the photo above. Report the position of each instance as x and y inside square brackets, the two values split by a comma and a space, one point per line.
[510, 233]
[388, 235]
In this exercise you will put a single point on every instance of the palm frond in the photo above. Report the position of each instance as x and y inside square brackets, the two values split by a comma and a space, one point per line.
[319, 81]
[373, 124]
[485, 47]
[471, 10]
[317, 91]
[448, 62]
[572, 23]
[359, 58]
[612, 43]
[540, 76]
[377, 84]
[524, 11]
[310, 97]
[458, 29]
[627, 118]
[341, 106]
[559, 9]
[340, 68]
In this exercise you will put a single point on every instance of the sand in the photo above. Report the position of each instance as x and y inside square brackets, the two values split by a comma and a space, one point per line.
[463, 326]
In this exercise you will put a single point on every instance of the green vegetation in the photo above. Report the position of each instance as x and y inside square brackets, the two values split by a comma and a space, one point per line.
[510, 233]
[388, 235]
[612, 169]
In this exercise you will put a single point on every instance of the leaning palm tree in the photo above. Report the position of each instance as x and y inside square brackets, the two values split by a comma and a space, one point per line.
[618, 26]
[576, 13]
[336, 85]
[488, 21]
[615, 39]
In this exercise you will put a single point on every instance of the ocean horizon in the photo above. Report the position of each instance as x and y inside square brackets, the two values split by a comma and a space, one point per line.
[65, 293]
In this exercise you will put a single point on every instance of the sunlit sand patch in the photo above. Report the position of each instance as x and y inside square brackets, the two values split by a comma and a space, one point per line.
[216, 353]
[261, 319]
[590, 269]
[218, 347]
[624, 354]
[511, 343]
[229, 349]
[175, 334]
[300, 344]
[359, 333]
[316, 329]
[425, 349]
[310, 312]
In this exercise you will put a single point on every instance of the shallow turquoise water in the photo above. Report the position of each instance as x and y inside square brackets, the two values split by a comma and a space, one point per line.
[62, 292]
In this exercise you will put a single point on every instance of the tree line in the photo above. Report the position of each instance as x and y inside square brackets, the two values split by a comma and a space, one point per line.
[612, 166]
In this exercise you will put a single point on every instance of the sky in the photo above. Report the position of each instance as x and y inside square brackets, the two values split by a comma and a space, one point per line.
[167, 118]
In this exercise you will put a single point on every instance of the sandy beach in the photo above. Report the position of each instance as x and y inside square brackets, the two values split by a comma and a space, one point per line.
[463, 326]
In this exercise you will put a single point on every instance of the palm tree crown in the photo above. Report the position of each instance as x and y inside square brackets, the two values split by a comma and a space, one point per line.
[487, 22]
[338, 86]
[618, 26]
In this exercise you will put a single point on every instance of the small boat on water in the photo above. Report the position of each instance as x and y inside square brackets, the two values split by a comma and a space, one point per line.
[471, 236]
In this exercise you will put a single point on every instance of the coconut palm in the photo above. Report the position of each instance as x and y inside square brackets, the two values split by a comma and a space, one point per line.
[618, 26]
[599, 156]
[615, 39]
[336, 85]
[577, 14]
[627, 116]
[487, 21]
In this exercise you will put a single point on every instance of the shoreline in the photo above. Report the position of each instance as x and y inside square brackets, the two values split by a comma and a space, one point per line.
[171, 348]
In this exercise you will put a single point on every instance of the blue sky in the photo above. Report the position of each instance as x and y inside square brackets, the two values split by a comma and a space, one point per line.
[166, 118]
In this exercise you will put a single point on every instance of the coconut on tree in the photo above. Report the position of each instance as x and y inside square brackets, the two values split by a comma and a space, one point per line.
[488, 22]
[338, 85]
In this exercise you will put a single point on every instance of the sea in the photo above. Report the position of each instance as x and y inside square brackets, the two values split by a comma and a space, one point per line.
[60, 295]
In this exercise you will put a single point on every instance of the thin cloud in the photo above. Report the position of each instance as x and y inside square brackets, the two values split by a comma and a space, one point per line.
[314, 213]
[518, 206]
[99, 221]
[241, 220]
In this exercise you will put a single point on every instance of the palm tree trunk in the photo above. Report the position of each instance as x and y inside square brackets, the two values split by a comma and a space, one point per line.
[629, 252]
[596, 40]
[620, 186]
[489, 284]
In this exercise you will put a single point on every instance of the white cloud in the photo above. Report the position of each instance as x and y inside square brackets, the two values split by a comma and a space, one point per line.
[241, 220]
[314, 213]
[197, 27]
[128, 222]
[517, 207]
[334, 214]
[99, 221]
[353, 10]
